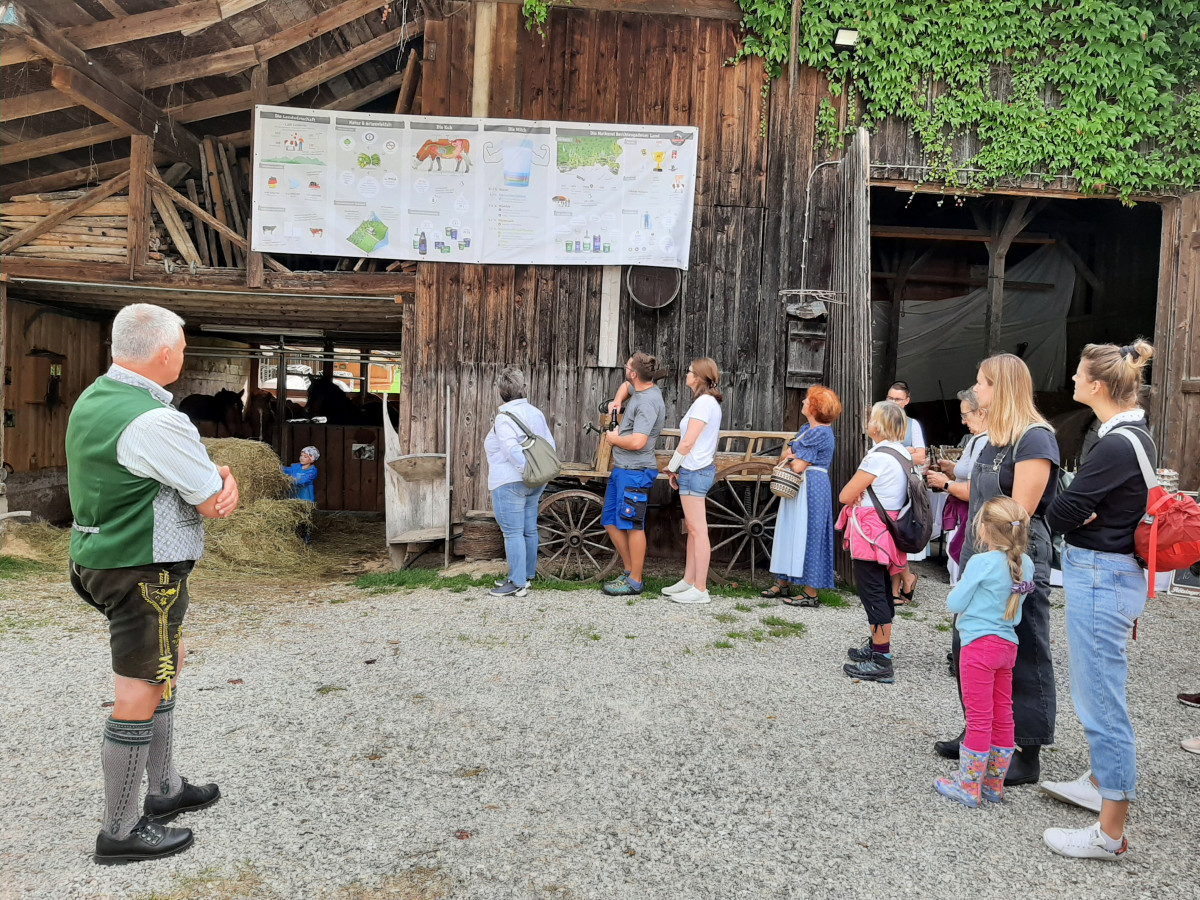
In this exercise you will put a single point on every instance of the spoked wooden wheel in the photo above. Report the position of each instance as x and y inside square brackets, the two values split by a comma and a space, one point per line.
[741, 514]
[572, 544]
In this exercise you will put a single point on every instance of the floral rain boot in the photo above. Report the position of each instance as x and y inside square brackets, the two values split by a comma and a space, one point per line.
[965, 785]
[993, 779]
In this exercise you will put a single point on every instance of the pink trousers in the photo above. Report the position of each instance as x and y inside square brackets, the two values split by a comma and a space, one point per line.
[986, 673]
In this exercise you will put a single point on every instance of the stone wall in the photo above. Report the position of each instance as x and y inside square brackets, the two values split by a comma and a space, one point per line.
[207, 375]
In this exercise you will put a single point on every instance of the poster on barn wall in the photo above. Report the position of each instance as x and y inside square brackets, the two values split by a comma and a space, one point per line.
[472, 190]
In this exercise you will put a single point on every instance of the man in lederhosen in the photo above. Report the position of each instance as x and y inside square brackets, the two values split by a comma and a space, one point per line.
[139, 480]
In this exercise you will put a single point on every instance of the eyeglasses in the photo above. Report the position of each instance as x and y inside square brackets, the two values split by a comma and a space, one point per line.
[690, 372]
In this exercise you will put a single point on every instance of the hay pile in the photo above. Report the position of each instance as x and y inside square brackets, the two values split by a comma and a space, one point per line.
[260, 538]
[254, 464]
[37, 541]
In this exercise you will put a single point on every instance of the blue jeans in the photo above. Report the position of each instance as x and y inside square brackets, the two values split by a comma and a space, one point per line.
[1105, 593]
[516, 508]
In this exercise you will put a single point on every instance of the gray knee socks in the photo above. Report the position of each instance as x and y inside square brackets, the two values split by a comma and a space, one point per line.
[160, 767]
[123, 758]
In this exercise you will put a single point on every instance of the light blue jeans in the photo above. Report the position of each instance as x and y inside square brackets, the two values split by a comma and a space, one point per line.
[1105, 593]
[516, 508]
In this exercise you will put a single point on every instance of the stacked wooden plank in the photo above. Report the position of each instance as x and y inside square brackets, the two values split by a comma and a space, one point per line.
[97, 235]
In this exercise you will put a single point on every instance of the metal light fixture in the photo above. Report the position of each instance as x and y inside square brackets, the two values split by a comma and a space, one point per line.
[845, 40]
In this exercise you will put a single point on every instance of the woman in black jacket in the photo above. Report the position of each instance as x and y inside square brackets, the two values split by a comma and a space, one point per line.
[1106, 591]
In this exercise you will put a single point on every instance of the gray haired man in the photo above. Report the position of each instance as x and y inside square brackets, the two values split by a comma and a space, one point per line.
[140, 480]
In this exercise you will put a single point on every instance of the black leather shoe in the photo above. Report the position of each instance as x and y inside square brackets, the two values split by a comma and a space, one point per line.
[147, 841]
[949, 749]
[192, 797]
[1026, 766]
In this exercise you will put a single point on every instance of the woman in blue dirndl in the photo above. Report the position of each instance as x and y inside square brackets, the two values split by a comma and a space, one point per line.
[802, 553]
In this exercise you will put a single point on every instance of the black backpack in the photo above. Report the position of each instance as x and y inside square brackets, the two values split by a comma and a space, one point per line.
[912, 528]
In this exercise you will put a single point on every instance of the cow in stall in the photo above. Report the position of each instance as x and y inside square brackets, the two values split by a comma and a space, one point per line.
[260, 416]
[224, 409]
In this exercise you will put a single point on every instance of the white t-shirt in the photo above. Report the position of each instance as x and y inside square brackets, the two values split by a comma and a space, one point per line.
[706, 409]
[891, 482]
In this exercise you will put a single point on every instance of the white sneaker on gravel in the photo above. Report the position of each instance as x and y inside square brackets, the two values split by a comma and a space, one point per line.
[691, 595]
[1080, 792]
[1191, 745]
[1082, 843]
[677, 588]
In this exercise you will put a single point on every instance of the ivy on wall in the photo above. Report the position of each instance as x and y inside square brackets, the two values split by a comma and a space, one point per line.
[1106, 91]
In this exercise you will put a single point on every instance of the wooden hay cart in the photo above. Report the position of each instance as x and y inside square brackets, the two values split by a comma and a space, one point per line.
[572, 544]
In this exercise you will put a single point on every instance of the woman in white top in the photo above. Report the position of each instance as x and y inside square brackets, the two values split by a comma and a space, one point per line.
[693, 469]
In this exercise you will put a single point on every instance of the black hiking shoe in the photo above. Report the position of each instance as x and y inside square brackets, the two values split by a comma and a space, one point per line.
[877, 668]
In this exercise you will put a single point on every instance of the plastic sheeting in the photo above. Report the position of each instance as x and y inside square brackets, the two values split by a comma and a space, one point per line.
[942, 341]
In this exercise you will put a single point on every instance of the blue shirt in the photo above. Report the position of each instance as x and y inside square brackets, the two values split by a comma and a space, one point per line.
[982, 593]
[302, 478]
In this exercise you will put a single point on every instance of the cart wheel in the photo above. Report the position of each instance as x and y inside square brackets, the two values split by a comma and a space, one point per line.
[741, 513]
[572, 544]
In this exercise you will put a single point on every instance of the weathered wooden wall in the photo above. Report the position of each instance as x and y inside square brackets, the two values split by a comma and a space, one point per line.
[37, 440]
[465, 323]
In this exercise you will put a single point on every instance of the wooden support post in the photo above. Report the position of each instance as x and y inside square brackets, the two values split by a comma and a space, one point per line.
[1008, 221]
[137, 242]
[3, 392]
[229, 186]
[485, 41]
[254, 266]
[281, 380]
[198, 225]
[610, 315]
[216, 197]
[408, 87]
[327, 362]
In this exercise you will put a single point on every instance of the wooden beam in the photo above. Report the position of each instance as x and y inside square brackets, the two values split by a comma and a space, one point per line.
[408, 87]
[187, 18]
[86, 92]
[176, 228]
[379, 285]
[1080, 266]
[965, 281]
[21, 238]
[138, 237]
[917, 233]
[172, 139]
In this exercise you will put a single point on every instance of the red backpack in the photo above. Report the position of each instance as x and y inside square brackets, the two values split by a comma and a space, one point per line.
[1168, 537]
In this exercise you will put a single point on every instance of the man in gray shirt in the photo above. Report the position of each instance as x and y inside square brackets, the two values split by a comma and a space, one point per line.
[635, 469]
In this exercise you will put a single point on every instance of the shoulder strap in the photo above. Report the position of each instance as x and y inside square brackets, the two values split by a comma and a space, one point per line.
[1143, 461]
[520, 424]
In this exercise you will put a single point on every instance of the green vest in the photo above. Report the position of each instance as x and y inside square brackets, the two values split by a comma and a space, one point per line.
[112, 507]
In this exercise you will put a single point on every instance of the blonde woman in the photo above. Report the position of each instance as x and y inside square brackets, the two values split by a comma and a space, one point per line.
[876, 559]
[693, 469]
[1019, 461]
[1106, 590]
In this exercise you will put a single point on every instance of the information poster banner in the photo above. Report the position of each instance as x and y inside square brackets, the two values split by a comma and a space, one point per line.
[472, 190]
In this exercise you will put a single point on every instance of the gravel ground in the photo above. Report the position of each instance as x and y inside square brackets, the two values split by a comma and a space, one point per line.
[432, 744]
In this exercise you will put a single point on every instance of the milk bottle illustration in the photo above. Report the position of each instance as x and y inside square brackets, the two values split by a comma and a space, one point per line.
[517, 162]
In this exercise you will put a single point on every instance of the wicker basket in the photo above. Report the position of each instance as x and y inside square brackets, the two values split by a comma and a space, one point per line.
[784, 482]
[481, 537]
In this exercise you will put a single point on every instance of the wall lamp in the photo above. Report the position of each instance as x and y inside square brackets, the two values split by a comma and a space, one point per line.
[845, 40]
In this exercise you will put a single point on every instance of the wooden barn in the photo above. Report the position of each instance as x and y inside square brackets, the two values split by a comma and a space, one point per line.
[125, 175]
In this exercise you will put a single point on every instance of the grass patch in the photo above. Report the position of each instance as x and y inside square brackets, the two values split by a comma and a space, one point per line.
[944, 626]
[783, 628]
[906, 613]
[631, 637]
[329, 689]
[765, 604]
[20, 625]
[587, 633]
[835, 599]
[19, 567]
[723, 645]
[411, 579]
[742, 607]
[736, 635]
[725, 618]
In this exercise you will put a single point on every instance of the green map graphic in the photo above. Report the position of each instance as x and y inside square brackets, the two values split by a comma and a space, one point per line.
[589, 151]
[369, 234]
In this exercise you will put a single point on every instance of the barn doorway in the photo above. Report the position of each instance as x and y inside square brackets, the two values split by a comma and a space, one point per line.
[1081, 271]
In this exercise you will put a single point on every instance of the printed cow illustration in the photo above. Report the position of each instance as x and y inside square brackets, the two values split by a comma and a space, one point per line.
[317, 232]
[457, 149]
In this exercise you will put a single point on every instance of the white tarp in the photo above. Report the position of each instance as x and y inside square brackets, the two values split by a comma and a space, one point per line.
[942, 341]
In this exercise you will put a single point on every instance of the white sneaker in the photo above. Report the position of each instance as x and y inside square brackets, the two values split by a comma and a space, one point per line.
[1082, 843]
[1080, 792]
[1191, 745]
[691, 595]
[677, 588]
[501, 582]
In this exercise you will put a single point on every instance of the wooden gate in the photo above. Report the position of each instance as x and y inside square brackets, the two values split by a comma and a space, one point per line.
[849, 345]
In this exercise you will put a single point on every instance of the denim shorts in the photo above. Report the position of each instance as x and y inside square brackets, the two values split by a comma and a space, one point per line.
[696, 482]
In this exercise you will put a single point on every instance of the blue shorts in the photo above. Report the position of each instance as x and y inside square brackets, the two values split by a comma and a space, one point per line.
[624, 501]
[696, 482]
